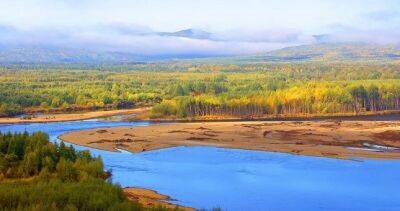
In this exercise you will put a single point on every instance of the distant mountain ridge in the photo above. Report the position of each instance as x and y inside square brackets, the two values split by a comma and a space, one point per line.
[46, 55]
[22, 53]
[189, 33]
[304, 53]
[332, 52]
[119, 43]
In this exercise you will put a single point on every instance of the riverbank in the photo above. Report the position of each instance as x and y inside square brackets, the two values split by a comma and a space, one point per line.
[150, 198]
[142, 114]
[387, 115]
[73, 116]
[336, 139]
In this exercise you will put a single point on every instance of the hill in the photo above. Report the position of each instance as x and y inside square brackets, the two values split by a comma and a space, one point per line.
[51, 55]
[331, 52]
[189, 33]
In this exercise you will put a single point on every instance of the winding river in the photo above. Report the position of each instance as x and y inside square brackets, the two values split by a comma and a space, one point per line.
[208, 177]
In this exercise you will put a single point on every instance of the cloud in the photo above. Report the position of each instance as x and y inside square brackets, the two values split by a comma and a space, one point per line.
[383, 15]
[236, 27]
[142, 40]
[367, 36]
[345, 34]
[280, 35]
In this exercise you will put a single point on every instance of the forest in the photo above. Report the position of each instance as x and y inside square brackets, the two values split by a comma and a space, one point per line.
[36, 174]
[187, 89]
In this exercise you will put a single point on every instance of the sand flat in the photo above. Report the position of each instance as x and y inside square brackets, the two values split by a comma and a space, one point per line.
[72, 116]
[150, 198]
[336, 139]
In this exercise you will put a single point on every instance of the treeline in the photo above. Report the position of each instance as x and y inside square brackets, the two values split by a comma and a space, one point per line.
[38, 175]
[306, 98]
[268, 88]
[41, 91]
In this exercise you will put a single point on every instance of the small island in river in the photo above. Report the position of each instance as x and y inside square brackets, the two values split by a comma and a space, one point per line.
[335, 139]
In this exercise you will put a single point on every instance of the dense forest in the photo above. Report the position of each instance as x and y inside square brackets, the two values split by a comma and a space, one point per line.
[188, 89]
[38, 175]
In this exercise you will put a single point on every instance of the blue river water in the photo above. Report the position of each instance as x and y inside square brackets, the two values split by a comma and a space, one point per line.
[209, 177]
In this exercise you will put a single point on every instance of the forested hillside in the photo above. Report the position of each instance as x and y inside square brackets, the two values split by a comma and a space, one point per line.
[187, 89]
[329, 52]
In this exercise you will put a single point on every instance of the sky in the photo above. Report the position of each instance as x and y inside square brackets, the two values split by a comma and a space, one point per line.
[237, 27]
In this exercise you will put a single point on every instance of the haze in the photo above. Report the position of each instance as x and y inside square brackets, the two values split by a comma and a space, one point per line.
[234, 27]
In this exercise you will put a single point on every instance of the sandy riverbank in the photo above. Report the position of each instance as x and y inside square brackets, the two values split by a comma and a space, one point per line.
[150, 198]
[320, 138]
[73, 116]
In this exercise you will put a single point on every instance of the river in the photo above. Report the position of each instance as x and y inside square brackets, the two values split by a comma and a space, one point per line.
[208, 177]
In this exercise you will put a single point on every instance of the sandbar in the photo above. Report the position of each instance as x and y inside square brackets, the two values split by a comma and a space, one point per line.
[336, 139]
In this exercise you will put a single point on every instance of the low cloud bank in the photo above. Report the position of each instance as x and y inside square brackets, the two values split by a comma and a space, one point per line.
[141, 40]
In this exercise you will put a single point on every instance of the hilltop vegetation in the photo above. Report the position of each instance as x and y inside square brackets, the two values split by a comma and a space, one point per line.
[185, 89]
[52, 55]
[324, 52]
[38, 175]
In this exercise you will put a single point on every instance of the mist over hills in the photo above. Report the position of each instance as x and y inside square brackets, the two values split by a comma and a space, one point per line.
[128, 45]
[332, 52]
[303, 53]
[189, 33]
[49, 55]
[144, 45]
[122, 31]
